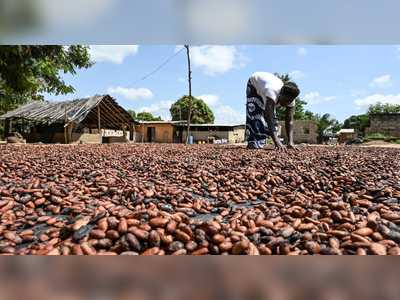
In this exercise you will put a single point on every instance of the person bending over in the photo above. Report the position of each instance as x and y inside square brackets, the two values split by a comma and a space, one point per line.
[265, 92]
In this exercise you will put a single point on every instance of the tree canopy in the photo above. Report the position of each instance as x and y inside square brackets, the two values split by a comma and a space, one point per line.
[132, 113]
[358, 122]
[201, 113]
[143, 116]
[326, 124]
[387, 108]
[146, 116]
[26, 72]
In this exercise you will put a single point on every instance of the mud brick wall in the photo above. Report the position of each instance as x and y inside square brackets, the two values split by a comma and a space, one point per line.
[388, 124]
[303, 131]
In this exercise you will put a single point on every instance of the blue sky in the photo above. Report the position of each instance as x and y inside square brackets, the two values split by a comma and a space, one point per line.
[340, 80]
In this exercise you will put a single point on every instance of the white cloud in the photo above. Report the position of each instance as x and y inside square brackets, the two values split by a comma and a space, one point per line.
[210, 100]
[302, 51]
[373, 99]
[383, 81]
[297, 75]
[159, 109]
[316, 98]
[215, 60]
[225, 114]
[131, 93]
[112, 53]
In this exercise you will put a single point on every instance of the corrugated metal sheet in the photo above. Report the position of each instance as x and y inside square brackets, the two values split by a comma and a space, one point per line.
[54, 112]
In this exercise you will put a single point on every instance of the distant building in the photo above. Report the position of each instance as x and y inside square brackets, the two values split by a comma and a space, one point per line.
[156, 132]
[387, 124]
[213, 133]
[90, 120]
[176, 132]
[304, 131]
[346, 134]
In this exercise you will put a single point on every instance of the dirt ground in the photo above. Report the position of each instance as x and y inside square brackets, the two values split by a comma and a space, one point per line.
[381, 144]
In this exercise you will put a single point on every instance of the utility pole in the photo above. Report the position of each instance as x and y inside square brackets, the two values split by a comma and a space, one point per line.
[190, 94]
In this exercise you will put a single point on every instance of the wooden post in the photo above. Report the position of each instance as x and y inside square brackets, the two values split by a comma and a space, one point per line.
[65, 126]
[99, 123]
[10, 129]
[71, 126]
[190, 94]
[124, 133]
[6, 128]
[132, 134]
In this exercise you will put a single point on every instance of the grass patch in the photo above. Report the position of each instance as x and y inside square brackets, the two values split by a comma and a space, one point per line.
[377, 136]
[381, 136]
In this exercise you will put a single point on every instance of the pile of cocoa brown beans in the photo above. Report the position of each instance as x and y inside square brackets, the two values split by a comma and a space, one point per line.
[166, 199]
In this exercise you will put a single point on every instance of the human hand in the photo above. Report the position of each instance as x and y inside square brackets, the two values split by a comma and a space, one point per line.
[280, 147]
[292, 146]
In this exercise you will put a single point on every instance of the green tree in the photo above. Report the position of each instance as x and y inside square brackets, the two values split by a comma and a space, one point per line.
[132, 113]
[380, 108]
[201, 113]
[358, 122]
[326, 125]
[146, 116]
[26, 72]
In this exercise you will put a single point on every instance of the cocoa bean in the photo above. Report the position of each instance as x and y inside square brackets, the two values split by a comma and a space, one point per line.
[180, 252]
[87, 249]
[312, 247]
[159, 222]
[122, 226]
[182, 236]
[240, 247]
[139, 233]
[201, 251]
[151, 251]
[97, 234]
[154, 238]
[377, 249]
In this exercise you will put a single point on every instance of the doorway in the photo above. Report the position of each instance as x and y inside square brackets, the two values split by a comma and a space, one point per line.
[151, 134]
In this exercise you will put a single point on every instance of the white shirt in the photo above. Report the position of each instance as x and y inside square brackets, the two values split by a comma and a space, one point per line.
[268, 85]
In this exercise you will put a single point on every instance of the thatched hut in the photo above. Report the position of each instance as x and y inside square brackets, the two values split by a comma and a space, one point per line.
[89, 120]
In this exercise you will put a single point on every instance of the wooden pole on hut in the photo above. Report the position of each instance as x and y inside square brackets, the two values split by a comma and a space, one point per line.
[190, 94]
[65, 126]
[6, 128]
[99, 123]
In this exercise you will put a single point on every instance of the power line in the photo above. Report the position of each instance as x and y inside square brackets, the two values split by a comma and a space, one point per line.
[160, 66]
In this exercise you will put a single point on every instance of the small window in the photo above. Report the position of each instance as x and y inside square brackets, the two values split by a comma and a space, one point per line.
[306, 130]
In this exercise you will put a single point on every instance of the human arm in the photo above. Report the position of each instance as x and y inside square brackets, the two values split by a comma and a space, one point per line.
[289, 120]
[269, 118]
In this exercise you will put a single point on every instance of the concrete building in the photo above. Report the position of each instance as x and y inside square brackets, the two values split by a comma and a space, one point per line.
[387, 124]
[346, 134]
[214, 133]
[156, 132]
[175, 132]
[97, 119]
[304, 131]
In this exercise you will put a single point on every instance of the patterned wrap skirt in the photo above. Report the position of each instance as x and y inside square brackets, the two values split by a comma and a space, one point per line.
[257, 130]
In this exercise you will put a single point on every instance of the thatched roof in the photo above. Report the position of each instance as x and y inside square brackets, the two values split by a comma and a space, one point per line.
[74, 111]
